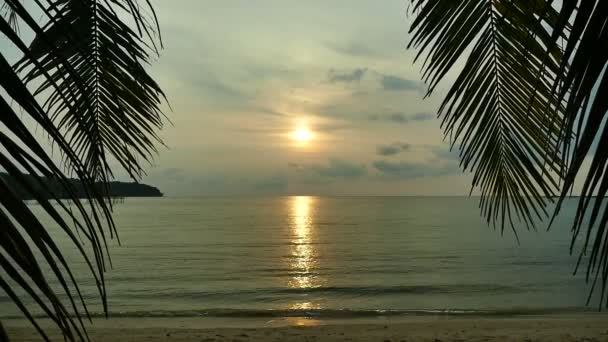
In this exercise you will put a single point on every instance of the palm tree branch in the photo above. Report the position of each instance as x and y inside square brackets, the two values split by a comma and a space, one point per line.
[33, 159]
[493, 111]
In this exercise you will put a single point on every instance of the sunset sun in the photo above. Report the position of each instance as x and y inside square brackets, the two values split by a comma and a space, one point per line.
[302, 134]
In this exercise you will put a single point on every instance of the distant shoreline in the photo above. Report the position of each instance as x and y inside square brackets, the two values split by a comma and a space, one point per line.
[117, 189]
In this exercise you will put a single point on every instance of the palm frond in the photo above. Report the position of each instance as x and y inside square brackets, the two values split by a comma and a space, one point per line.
[20, 224]
[9, 15]
[494, 111]
[113, 107]
[559, 100]
[25, 244]
[584, 84]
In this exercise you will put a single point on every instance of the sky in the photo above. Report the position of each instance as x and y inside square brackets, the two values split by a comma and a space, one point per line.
[242, 77]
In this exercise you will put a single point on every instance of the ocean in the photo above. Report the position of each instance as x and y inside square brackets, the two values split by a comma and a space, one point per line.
[328, 256]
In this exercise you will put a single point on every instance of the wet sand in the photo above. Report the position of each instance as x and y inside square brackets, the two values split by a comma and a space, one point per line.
[580, 327]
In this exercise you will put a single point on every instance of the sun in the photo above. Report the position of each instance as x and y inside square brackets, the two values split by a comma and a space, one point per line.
[302, 134]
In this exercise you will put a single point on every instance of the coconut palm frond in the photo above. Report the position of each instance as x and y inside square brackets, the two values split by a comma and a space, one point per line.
[495, 110]
[22, 153]
[113, 108]
[26, 246]
[9, 15]
[569, 81]
[584, 84]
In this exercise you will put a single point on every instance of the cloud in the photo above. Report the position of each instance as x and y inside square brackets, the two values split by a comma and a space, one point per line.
[422, 116]
[273, 184]
[361, 94]
[237, 95]
[337, 168]
[402, 118]
[331, 127]
[354, 49]
[210, 84]
[388, 150]
[319, 128]
[394, 83]
[295, 166]
[346, 77]
[269, 111]
[444, 153]
[410, 170]
[392, 149]
[442, 162]
[171, 174]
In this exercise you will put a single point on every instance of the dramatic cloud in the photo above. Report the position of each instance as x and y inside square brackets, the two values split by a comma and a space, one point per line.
[392, 149]
[394, 83]
[348, 77]
[402, 118]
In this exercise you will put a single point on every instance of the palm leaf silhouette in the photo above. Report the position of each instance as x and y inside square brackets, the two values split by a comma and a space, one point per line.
[114, 103]
[523, 110]
[83, 117]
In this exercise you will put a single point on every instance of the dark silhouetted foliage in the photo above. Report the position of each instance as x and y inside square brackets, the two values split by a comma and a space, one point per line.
[116, 189]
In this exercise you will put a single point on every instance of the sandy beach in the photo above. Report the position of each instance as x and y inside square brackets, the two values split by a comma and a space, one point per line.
[581, 327]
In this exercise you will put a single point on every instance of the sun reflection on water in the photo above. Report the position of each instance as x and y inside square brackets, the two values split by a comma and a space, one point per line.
[304, 259]
[303, 252]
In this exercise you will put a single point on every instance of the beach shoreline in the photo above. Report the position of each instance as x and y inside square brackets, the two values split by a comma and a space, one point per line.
[565, 327]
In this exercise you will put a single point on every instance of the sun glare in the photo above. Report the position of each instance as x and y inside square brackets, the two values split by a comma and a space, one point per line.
[302, 134]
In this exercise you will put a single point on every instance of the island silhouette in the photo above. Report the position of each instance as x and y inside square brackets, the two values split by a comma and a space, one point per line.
[116, 189]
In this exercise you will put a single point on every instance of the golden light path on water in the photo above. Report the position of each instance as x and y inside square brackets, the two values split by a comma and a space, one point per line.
[304, 259]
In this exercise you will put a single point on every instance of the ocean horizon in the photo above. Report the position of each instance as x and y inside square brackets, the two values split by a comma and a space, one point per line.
[319, 256]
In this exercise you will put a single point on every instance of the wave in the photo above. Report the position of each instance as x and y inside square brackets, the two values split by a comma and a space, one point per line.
[264, 295]
[331, 313]
[337, 291]
[401, 289]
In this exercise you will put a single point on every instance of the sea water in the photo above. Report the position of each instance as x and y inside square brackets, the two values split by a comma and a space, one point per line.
[332, 256]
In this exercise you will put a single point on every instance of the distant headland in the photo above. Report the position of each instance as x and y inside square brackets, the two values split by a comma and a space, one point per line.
[117, 189]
